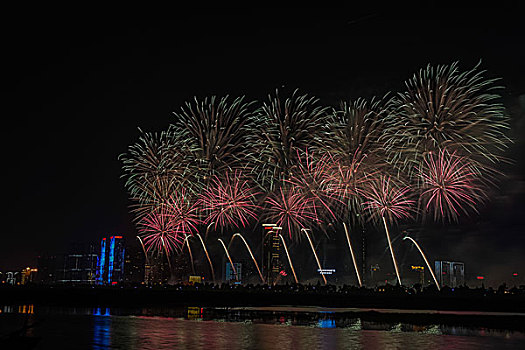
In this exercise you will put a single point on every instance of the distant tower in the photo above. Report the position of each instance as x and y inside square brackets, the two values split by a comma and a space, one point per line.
[272, 264]
[101, 265]
[116, 260]
[450, 273]
[110, 267]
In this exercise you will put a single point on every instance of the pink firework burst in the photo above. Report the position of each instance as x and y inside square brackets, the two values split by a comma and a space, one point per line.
[229, 202]
[344, 178]
[159, 231]
[184, 212]
[449, 185]
[310, 179]
[291, 210]
[385, 199]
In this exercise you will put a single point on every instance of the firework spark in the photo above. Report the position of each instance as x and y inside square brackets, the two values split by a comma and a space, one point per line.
[153, 167]
[449, 185]
[355, 151]
[384, 198]
[215, 134]
[445, 108]
[285, 127]
[184, 212]
[159, 232]
[309, 176]
[229, 202]
[289, 209]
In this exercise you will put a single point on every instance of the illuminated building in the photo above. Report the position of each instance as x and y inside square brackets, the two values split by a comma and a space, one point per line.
[110, 266]
[11, 278]
[156, 269]
[230, 273]
[181, 268]
[420, 270]
[101, 264]
[330, 256]
[28, 275]
[79, 266]
[450, 273]
[195, 279]
[272, 265]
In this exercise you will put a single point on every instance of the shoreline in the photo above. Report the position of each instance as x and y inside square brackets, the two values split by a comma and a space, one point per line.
[211, 296]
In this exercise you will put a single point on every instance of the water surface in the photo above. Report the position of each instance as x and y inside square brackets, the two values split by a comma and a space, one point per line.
[236, 328]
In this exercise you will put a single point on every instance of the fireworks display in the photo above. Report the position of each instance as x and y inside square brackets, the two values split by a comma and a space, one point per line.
[159, 231]
[446, 108]
[297, 123]
[229, 202]
[231, 164]
[386, 199]
[449, 186]
[291, 210]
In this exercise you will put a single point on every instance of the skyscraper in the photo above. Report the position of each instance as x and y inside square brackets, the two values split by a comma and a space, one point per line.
[272, 264]
[79, 265]
[450, 273]
[233, 274]
[110, 266]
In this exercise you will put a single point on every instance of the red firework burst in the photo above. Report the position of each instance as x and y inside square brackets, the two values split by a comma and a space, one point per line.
[229, 201]
[291, 210]
[310, 179]
[449, 185]
[386, 199]
[344, 178]
[184, 212]
[159, 231]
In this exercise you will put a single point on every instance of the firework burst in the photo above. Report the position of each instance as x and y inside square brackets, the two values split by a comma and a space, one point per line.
[159, 231]
[354, 151]
[356, 128]
[386, 199]
[449, 186]
[229, 202]
[184, 211]
[285, 127]
[153, 167]
[445, 108]
[309, 177]
[215, 135]
[291, 210]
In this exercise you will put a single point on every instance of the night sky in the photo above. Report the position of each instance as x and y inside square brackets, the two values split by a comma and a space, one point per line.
[81, 81]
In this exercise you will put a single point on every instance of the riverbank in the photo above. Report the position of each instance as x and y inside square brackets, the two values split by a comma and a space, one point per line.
[260, 296]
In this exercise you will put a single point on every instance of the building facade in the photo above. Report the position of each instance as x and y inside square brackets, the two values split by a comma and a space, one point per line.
[79, 266]
[450, 273]
[110, 264]
[233, 275]
[272, 264]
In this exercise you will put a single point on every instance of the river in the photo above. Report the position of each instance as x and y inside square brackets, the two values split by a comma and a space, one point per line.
[234, 328]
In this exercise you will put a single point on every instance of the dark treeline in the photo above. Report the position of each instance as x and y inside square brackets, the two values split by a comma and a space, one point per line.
[461, 298]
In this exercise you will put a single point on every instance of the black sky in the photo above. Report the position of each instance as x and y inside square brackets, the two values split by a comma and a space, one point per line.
[81, 80]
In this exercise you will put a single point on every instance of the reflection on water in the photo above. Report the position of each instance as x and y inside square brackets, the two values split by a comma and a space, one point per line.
[223, 328]
[101, 330]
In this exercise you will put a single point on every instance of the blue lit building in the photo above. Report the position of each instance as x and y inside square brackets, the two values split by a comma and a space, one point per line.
[233, 275]
[110, 267]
